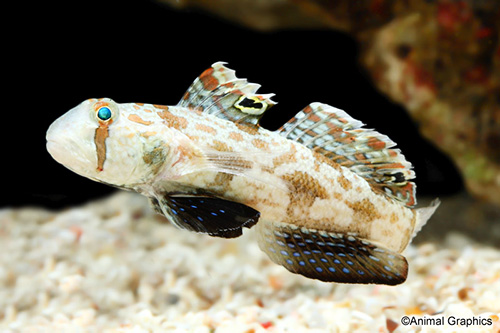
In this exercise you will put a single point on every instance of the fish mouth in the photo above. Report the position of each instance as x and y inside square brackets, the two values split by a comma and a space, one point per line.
[58, 152]
[51, 146]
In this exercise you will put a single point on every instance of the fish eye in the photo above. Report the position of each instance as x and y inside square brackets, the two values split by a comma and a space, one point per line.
[104, 113]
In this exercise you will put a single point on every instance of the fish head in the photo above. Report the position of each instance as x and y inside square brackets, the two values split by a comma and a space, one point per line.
[109, 143]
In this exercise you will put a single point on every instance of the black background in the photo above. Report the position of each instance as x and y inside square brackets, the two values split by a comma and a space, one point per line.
[61, 53]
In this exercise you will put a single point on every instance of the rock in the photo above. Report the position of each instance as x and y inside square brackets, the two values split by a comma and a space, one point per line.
[442, 64]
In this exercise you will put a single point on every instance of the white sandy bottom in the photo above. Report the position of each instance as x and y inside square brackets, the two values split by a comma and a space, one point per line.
[114, 266]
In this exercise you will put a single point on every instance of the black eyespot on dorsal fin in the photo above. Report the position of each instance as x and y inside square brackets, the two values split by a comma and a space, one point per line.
[217, 91]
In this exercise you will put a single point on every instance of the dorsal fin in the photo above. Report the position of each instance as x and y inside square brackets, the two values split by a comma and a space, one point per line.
[219, 92]
[336, 135]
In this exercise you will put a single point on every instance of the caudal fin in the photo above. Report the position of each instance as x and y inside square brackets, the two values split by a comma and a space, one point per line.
[424, 214]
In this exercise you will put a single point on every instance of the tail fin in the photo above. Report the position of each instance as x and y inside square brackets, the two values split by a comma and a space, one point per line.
[424, 214]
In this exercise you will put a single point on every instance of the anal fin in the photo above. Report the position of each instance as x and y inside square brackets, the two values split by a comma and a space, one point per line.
[330, 257]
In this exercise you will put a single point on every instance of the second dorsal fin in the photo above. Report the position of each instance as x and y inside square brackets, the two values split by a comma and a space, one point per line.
[336, 135]
[219, 92]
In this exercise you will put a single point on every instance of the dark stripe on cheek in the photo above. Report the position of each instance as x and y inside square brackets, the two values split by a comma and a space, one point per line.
[101, 134]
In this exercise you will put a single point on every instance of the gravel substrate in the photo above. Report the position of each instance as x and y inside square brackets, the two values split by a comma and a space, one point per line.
[114, 266]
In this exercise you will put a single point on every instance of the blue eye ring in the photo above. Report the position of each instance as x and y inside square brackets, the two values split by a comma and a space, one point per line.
[104, 113]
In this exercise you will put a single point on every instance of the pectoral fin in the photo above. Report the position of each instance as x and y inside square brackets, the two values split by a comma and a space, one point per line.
[330, 257]
[209, 215]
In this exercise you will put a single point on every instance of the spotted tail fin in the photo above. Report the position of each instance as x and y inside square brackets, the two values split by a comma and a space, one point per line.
[330, 257]
[219, 92]
[336, 135]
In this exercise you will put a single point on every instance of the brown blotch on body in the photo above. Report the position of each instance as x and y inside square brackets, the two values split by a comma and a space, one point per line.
[286, 157]
[161, 107]
[364, 211]
[136, 119]
[258, 143]
[304, 190]
[173, 121]
[220, 146]
[344, 182]
[323, 159]
[221, 184]
[248, 128]
[394, 218]
[337, 196]
[206, 128]
[267, 169]
[148, 134]
[406, 239]
[236, 136]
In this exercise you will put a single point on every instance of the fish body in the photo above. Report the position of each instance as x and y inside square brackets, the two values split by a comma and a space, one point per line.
[329, 199]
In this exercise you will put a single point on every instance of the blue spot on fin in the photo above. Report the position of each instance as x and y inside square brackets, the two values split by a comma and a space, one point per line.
[204, 214]
[337, 257]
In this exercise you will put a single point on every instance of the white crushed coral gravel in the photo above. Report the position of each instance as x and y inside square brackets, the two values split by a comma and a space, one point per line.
[114, 266]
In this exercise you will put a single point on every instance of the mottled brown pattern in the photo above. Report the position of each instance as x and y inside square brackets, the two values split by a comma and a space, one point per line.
[220, 184]
[286, 158]
[206, 128]
[195, 138]
[407, 235]
[161, 107]
[394, 218]
[275, 143]
[236, 136]
[260, 144]
[148, 134]
[173, 121]
[317, 166]
[304, 190]
[337, 196]
[136, 119]
[322, 159]
[267, 169]
[364, 211]
[248, 128]
[220, 146]
[344, 182]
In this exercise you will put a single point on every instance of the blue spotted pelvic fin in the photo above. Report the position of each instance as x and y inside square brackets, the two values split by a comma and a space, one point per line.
[330, 257]
[336, 135]
[204, 214]
[219, 92]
